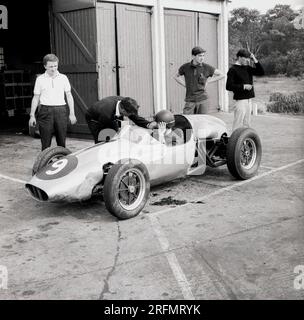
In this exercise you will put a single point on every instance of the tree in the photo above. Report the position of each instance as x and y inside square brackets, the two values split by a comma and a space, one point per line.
[245, 24]
[278, 29]
[295, 63]
[272, 36]
[280, 11]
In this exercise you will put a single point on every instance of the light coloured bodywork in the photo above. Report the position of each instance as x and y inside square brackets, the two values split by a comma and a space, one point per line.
[206, 127]
[163, 163]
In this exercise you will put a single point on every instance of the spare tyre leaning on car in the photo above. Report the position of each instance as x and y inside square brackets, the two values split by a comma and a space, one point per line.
[48, 156]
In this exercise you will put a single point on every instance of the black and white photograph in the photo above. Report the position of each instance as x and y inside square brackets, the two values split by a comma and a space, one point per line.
[152, 150]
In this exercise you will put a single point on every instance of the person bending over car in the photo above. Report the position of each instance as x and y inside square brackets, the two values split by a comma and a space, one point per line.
[166, 132]
[108, 113]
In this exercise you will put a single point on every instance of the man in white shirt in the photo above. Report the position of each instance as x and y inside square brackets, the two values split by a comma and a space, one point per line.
[50, 89]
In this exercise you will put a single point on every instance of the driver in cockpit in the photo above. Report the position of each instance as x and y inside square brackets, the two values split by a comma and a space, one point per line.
[166, 132]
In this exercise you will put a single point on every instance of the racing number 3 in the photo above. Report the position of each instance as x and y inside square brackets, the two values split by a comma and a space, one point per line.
[58, 166]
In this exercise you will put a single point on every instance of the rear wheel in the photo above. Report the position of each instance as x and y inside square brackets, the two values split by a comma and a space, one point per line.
[126, 189]
[48, 156]
[244, 153]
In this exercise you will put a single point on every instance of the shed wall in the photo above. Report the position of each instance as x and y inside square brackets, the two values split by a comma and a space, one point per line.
[75, 45]
[208, 39]
[122, 47]
[180, 37]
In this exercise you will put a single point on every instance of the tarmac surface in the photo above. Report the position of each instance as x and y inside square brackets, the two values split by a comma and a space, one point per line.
[203, 237]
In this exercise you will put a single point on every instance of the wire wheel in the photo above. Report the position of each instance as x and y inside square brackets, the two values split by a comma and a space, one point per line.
[248, 153]
[126, 189]
[244, 153]
[131, 189]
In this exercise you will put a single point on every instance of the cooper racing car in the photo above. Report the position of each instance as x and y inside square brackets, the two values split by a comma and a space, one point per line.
[122, 169]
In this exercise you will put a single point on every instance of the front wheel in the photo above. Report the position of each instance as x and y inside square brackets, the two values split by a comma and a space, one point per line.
[126, 189]
[244, 153]
[48, 156]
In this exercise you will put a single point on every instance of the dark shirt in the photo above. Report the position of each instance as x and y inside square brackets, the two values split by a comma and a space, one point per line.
[103, 111]
[195, 78]
[239, 75]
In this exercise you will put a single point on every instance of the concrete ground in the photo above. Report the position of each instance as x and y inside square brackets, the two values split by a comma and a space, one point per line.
[226, 240]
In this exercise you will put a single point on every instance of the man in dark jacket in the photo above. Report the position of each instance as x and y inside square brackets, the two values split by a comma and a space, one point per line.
[108, 113]
[240, 81]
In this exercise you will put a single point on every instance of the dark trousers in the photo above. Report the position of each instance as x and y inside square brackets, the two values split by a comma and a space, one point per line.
[200, 107]
[95, 128]
[52, 120]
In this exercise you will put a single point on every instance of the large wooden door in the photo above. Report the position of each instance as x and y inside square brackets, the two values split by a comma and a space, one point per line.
[134, 43]
[74, 36]
[125, 53]
[106, 43]
[208, 39]
[180, 38]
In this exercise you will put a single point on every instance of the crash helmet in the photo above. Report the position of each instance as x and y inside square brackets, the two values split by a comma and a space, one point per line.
[165, 116]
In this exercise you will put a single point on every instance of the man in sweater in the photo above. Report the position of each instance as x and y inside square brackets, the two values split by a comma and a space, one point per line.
[240, 81]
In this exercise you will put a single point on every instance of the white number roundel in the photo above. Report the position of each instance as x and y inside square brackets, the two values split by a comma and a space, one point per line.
[58, 166]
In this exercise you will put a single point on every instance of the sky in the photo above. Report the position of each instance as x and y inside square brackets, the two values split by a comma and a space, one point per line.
[263, 5]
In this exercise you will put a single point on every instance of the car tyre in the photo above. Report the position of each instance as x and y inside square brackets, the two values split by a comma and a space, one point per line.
[48, 156]
[126, 189]
[244, 153]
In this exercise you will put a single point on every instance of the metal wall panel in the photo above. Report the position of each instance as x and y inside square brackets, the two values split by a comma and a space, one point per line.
[180, 38]
[208, 39]
[106, 49]
[135, 55]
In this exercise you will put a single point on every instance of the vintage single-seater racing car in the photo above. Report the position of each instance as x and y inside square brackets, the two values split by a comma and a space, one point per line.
[122, 169]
